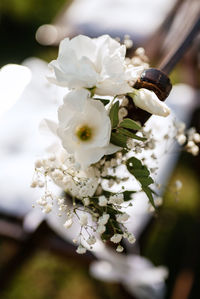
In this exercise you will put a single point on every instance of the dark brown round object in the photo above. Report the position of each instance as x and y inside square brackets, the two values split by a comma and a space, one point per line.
[155, 80]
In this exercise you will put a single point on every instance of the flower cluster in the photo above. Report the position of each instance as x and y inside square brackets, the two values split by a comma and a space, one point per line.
[96, 139]
[189, 138]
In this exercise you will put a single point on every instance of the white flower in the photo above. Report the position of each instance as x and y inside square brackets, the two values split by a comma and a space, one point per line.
[38, 163]
[196, 137]
[116, 199]
[116, 238]
[86, 201]
[122, 217]
[68, 223]
[84, 128]
[34, 184]
[101, 229]
[102, 201]
[131, 238]
[148, 101]
[103, 219]
[85, 62]
[81, 249]
[119, 248]
[181, 139]
[47, 208]
[84, 220]
[91, 240]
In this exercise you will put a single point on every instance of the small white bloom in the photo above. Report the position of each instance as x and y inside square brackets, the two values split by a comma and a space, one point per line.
[116, 238]
[131, 238]
[40, 184]
[83, 219]
[111, 183]
[91, 240]
[125, 234]
[122, 113]
[122, 217]
[125, 102]
[38, 163]
[194, 150]
[101, 229]
[119, 248]
[57, 174]
[34, 184]
[47, 208]
[181, 139]
[61, 201]
[102, 201]
[68, 223]
[148, 101]
[190, 144]
[116, 199]
[180, 127]
[84, 128]
[86, 201]
[103, 219]
[113, 162]
[52, 157]
[85, 62]
[81, 249]
[190, 132]
[196, 137]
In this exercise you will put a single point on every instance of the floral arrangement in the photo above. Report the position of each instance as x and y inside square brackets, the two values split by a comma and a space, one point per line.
[97, 138]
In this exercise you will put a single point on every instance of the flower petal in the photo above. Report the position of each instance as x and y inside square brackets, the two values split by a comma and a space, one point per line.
[148, 101]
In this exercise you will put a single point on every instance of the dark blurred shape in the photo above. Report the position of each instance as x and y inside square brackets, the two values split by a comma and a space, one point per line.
[155, 80]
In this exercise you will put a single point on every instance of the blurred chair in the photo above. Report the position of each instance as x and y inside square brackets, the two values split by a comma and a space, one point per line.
[137, 18]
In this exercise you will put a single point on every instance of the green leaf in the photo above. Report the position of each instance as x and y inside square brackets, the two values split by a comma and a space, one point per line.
[130, 124]
[103, 101]
[142, 174]
[127, 133]
[119, 139]
[114, 114]
[127, 195]
[148, 192]
[146, 181]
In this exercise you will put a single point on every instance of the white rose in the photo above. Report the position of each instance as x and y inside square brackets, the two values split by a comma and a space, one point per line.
[148, 101]
[85, 62]
[84, 128]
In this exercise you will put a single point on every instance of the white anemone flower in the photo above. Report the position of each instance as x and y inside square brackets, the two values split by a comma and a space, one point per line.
[84, 128]
[98, 63]
[148, 101]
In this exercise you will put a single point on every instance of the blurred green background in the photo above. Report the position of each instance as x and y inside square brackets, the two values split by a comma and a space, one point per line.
[173, 235]
[19, 20]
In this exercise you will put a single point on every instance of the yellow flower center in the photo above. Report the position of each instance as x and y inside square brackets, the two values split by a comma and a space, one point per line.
[84, 133]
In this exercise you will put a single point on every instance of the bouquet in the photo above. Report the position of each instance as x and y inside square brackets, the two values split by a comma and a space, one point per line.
[98, 135]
